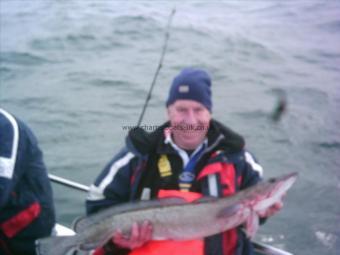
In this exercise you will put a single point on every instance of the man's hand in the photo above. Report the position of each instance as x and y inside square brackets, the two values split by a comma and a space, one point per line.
[140, 234]
[271, 210]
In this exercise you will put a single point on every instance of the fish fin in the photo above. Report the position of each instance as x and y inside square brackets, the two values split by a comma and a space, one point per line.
[229, 211]
[172, 201]
[100, 241]
[58, 245]
[252, 225]
[87, 247]
[82, 223]
[206, 199]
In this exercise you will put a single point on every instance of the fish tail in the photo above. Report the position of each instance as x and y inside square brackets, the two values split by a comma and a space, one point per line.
[58, 245]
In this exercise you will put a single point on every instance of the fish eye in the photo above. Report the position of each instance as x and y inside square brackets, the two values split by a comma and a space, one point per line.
[272, 180]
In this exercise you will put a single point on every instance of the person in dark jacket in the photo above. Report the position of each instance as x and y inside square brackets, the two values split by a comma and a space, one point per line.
[26, 205]
[191, 153]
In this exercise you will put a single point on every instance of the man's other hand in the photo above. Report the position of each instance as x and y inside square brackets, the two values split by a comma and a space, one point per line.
[271, 210]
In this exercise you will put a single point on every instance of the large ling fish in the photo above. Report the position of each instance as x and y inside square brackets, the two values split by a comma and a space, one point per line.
[172, 218]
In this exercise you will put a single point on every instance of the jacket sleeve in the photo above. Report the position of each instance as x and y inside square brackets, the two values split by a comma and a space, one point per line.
[9, 142]
[252, 171]
[112, 186]
[252, 174]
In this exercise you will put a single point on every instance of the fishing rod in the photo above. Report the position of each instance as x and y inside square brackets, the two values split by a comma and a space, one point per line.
[82, 187]
[165, 45]
[68, 183]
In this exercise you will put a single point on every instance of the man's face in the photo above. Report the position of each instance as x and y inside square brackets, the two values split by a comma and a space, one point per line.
[190, 123]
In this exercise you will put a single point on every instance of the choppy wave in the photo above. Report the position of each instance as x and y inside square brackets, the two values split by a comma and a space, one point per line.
[60, 43]
[256, 114]
[34, 102]
[136, 27]
[111, 83]
[332, 26]
[328, 145]
[6, 73]
[22, 58]
[309, 96]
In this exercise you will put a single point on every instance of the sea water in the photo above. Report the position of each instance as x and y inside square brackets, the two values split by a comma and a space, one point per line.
[78, 72]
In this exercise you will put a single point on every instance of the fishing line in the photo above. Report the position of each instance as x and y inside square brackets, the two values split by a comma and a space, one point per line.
[165, 45]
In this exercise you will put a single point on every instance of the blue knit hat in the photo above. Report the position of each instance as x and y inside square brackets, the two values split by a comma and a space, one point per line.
[193, 84]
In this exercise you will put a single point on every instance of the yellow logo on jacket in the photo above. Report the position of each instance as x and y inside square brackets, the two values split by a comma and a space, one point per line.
[164, 166]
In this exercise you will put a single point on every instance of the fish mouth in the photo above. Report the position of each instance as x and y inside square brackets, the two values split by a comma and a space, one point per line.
[293, 176]
[283, 184]
[289, 179]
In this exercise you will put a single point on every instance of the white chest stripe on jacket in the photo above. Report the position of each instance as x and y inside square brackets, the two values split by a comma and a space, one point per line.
[114, 169]
[212, 183]
[96, 193]
[257, 167]
[7, 164]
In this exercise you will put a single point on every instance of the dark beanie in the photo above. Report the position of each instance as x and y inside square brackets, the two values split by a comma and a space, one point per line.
[192, 84]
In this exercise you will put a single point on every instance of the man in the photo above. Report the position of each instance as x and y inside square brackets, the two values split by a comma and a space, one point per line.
[26, 206]
[190, 154]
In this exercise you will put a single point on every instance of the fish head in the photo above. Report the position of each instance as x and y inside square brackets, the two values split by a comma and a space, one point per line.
[271, 191]
[282, 184]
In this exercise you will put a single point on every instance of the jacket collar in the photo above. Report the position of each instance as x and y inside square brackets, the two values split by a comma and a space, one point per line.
[219, 137]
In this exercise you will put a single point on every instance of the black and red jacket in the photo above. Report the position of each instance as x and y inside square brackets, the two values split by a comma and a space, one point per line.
[223, 168]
